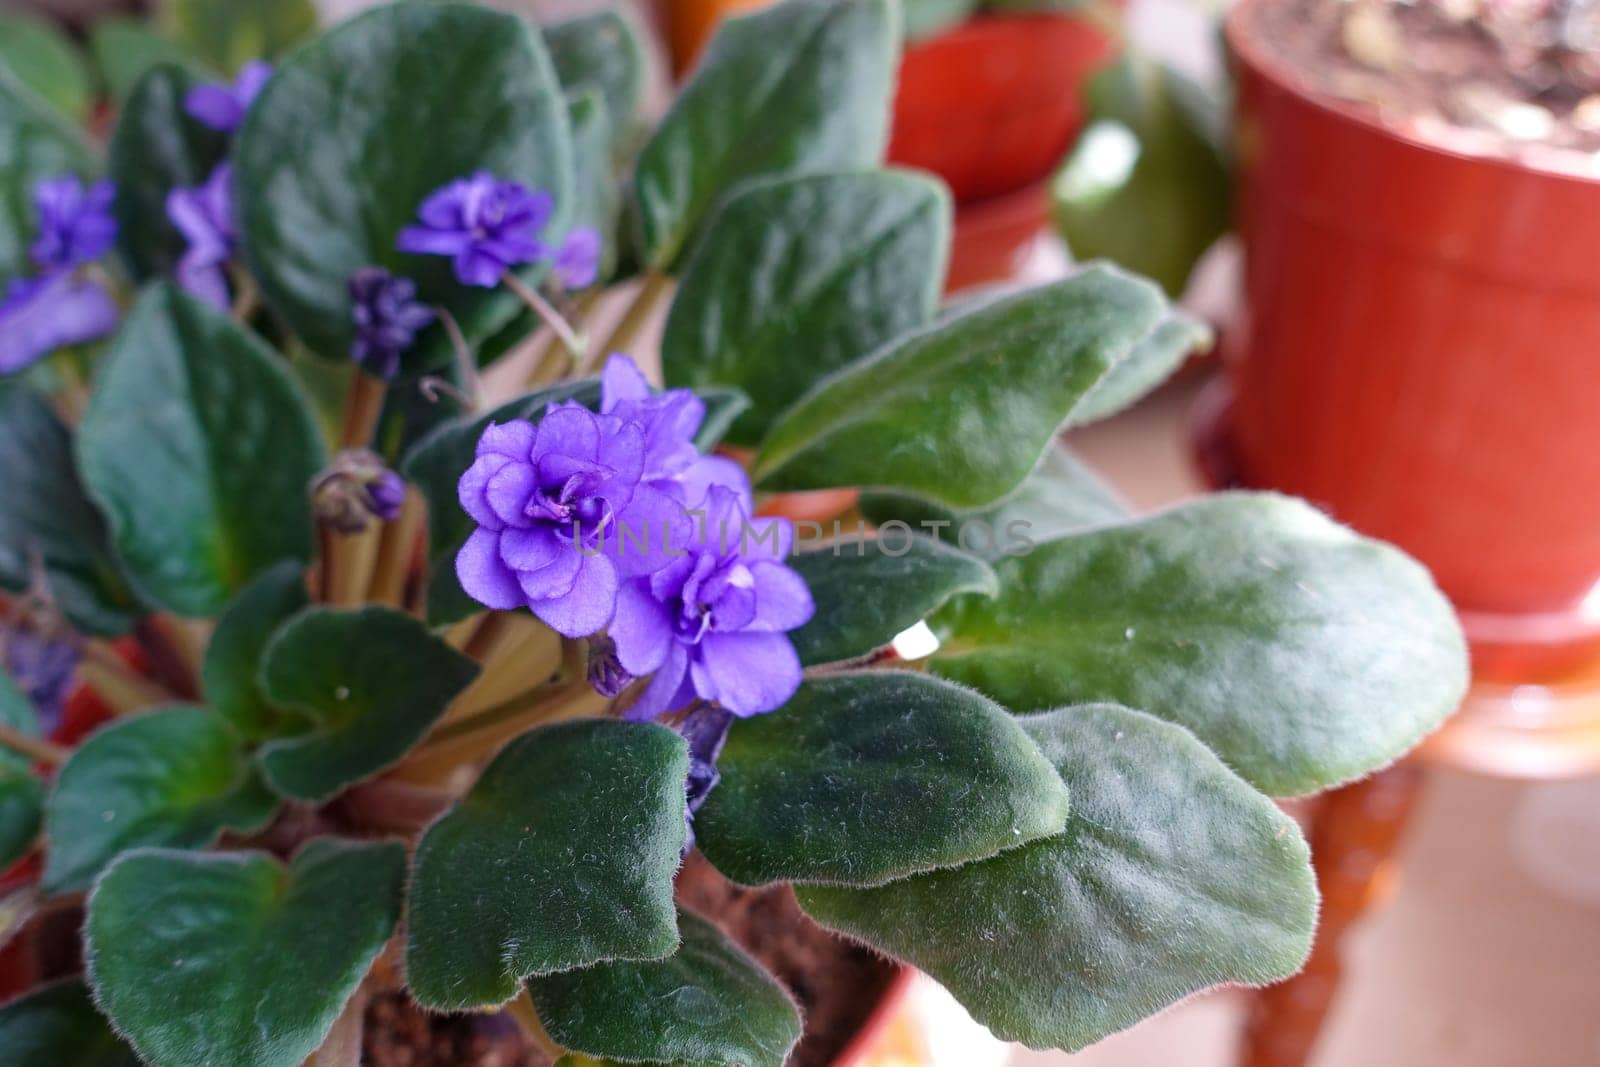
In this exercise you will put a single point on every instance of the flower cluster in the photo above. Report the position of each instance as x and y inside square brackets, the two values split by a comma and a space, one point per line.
[59, 306]
[204, 213]
[614, 521]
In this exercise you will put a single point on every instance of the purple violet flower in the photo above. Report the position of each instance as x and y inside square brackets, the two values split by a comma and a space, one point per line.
[712, 623]
[672, 463]
[40, 315]
[43, 667]
[75, 223]
[222, 106]
[486, 225]
[387, 318]
[577, 261]
[204, 215]
[563, 517]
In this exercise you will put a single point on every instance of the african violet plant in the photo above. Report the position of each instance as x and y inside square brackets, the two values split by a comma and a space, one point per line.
[434, 636]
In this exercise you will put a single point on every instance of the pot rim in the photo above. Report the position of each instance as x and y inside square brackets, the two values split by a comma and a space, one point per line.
[1245, 46]
[890, 1003]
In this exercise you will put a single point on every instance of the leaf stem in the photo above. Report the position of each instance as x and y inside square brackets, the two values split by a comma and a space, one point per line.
[118, 685]
[551, 317]
[527, 1016]
[638, 313]
[466, 364]
[35, 748]
[174, 654]
[348, 560]
[397, 549]
[461, 743]
[548, 366]
[363, 405]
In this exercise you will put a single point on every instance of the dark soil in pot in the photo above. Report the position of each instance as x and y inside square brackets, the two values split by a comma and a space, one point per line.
[1468, 75]
[837, 985]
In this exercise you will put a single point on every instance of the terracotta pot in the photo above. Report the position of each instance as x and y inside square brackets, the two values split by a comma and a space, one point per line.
[1416, 352]
[993, 104]
[993, 237]
[690, 24]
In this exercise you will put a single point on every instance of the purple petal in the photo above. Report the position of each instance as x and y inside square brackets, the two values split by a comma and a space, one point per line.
[588, 606]
[531, 550]
[201, 277]
[508, 491]
[557, 578]
[214, 106]
[473, 267]
[651, 532]
[747, 673]
[471, 489]
[577, 262]
[713, 471]
[420, 240]
[641, 628]
[620, 380]
[514, 439]
[37, 317]
[482, 574]
[783, 600]
[569, 430]
[669, 688]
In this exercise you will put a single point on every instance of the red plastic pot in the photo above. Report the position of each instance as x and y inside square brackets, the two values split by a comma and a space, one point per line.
[993, 104]
[1417, 351]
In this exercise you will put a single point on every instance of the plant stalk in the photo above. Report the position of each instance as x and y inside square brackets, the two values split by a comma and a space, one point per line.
[462, 743]
[35, 748]
[397, 548]
[551, 317]
[363, 404]
[347, 564]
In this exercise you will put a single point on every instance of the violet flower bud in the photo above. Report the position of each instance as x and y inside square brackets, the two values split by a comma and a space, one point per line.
[204, 215]
[42, 664]
[387, 318]
[75, 222]
[604, 669]
[577, 261]
[223, 107]
[355, 489]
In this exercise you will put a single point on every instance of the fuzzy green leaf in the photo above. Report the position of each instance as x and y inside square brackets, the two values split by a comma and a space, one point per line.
[867, 590]
[47, 519]
[708, 1003]
[199, 447]
[39, 143]
[357, 128]
[798, 277]
[603, 51]
[864, 778]
[1062, 495]
[155, 148]
[56, 1025]
[176, 777]
[596, 199]
[233, 957]
[961, 411]
[561, 856]
[372, 681]
[21, 792]
[798, 88]
[125, 48]
[1156, 357]
[1304, 654]
[435, 466]
[46, 60]
[231, 669]
[1172, 876]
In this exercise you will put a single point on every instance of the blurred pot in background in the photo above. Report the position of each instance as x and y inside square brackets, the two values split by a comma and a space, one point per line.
[1422, 309]
[990, 97]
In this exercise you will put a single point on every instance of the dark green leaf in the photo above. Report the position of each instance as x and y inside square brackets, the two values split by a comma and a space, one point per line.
[177, 777]
[798, 277]
[21, 792]
[230, 672]
[47, 519]
[126, 47]
[1152, 361]
[595, 193]
[867, 590]
[250, 962]
[1172, 876]
[356, 129]
[864, 778]
[435, 466]
[961, 411]
[1062, 495]
[372, 681]
[46, 61]
[603, 52]
[1303, 654]
[156, 148]
[723, 406]
[57, 1025]
[199, 447]
[561, 856]
[801, 87]
[706, 1003]
[39, 143]
[230, 33]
